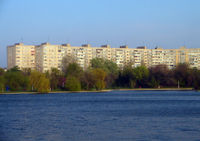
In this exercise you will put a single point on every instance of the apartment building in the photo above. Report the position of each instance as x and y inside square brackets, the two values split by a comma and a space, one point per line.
[49, 56]
[163, 56]
[21, 55]
[46, 56]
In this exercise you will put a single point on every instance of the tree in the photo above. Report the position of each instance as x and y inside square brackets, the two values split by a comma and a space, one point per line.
[2, 80]
[14, 69]
[34, 77]
[87, 80]
[182, 73]
[195, 78]
[26, 71]
[43, 85]
[99, 77]
[54, 78]
[152, 83]
[126, 77]
[39, 82]
[97, 63]
[73, 69]
[72, 84]
[2, 71]
[112, 72]
[109, 67]
[16, 80]
[160, 75]
[66, 61]
[141, 74]
[61, 82]
[2, 83]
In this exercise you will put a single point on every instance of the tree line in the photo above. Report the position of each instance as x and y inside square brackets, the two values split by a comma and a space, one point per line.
[102, 74]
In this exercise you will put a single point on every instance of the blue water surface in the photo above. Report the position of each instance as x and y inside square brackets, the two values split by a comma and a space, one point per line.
[106, 116]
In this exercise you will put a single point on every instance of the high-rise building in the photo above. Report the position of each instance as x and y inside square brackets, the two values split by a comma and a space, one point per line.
[21, 55]
[46, 56]
[49, 56]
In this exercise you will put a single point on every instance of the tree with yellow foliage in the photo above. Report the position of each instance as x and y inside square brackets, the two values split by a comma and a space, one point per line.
[99, 76]
[39, 82]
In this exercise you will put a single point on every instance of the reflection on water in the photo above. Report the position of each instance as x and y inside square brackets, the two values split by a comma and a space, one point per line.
[111, 116]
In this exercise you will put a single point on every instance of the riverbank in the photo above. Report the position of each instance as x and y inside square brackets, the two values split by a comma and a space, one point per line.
[108, 90]
[53, 92]
[157, 89]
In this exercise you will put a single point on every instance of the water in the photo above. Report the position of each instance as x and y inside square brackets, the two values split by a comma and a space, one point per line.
[111, 116]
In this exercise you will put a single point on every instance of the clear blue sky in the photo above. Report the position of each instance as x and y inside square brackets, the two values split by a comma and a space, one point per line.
[166, 23]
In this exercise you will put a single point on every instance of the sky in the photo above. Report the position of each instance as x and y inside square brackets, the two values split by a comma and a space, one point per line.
[164, 23]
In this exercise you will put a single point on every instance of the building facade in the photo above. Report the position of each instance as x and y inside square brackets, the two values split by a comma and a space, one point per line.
[21, 55]
[46, 56]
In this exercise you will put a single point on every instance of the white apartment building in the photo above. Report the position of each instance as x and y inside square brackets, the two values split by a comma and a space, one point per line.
[21, 55]
[46, 56]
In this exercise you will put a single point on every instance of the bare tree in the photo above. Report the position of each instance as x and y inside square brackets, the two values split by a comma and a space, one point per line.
[66, 61]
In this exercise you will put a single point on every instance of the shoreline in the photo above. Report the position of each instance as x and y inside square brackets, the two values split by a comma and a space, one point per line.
[107, 90]
[158, 89]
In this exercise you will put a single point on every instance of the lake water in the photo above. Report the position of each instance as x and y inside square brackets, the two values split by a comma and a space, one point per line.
[109, 116]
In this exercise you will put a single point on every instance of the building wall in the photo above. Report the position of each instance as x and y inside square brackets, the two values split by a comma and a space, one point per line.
[49, 56]
[21, 55]
[46, 56]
